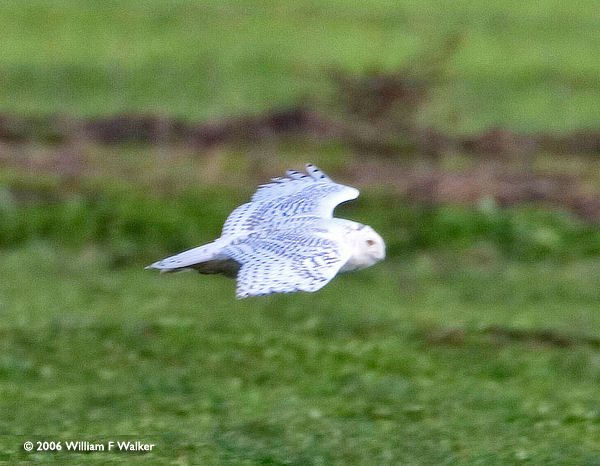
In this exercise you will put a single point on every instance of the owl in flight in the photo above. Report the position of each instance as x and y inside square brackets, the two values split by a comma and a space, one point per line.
[285, 239]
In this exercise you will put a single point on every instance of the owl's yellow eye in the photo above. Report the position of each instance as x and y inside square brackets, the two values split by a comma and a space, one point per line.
[370, 242]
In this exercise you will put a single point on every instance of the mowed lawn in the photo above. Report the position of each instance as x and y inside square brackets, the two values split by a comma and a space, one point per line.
[528, 66]
[392, 364]
[354, 374]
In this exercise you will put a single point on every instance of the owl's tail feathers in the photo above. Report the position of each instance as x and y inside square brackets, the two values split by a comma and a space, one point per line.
[190, 259]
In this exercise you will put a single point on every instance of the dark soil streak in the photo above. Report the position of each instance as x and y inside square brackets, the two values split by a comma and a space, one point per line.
[379, 138]
[499, 335]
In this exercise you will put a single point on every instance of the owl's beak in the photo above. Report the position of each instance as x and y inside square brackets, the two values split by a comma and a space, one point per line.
[381, 252]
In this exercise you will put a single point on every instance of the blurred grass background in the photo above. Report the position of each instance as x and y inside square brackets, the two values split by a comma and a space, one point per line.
[476, 341]
[522, 65]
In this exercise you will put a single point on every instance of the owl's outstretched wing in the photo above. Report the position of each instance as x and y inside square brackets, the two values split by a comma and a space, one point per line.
[283, 261]
[289, 200]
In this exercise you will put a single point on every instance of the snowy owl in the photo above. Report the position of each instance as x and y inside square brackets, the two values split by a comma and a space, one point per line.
[285, 239]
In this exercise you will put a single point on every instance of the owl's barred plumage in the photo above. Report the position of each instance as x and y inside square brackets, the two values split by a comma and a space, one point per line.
[286, 239]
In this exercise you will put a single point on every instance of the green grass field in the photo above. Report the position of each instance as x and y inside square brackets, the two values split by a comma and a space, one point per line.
[475, 342]
[532, 67]
[388, 365]
[346, 376]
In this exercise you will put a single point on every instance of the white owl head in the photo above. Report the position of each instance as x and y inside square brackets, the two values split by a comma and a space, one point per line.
[369, 248]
